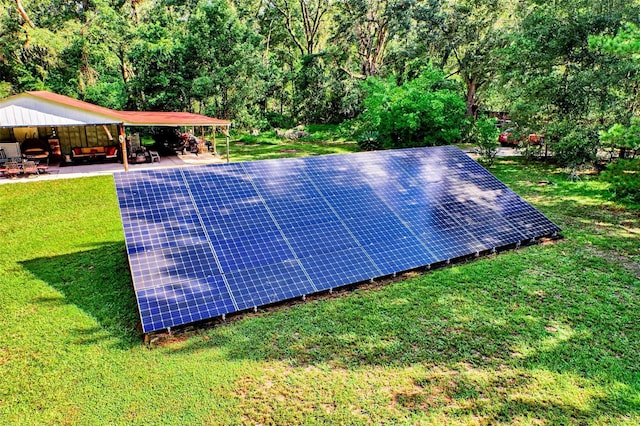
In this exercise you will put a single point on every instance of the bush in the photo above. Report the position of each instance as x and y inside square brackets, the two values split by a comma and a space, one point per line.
[577, 147]
[369, 141]
[625, 139]
[277, 120]
[484, 134]
[624, 177]
[426, 111]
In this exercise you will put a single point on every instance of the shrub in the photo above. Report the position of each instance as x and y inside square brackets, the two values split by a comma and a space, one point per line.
[426, 111]
[576, 147]
[625, 139]
[369, 141]
[277, 120]
[624, 177]
[484, 134]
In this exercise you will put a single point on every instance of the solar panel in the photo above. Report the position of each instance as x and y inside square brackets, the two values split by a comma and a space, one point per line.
[211, 240]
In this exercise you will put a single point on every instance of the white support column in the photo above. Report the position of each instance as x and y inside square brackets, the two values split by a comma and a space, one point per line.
[227, 140]
[215, 149]
[122, 138]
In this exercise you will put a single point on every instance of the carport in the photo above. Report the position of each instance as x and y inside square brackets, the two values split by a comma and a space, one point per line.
[64, 123]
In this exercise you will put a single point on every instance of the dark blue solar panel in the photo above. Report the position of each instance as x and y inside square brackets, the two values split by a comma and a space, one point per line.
[342, 267]
[207, 241]
[269, 284]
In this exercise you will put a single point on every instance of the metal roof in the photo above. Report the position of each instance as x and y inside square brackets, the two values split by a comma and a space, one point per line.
[41, 108]
[17, 116]
[150, 118]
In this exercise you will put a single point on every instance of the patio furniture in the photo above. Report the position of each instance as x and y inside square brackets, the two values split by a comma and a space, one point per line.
[29, 168]
[42, 168]
[35, 150]
[155, 156]
[94, 154]
[11, 169]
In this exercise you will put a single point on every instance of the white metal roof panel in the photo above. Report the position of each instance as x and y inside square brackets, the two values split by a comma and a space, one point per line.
[17, 116]
[25, 110]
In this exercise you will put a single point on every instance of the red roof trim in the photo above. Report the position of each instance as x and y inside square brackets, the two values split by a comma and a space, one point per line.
[134, 118]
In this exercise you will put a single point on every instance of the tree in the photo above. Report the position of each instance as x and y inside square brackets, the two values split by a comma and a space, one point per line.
[304, 20]
[159, 59]
[426, 111]
[363, 31]
[557, 85]
[223, 63]
[471, 33]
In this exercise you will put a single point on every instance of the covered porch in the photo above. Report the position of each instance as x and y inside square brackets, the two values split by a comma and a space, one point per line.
[47, 127]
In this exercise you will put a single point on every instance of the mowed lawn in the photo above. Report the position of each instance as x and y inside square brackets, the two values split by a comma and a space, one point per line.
[547, 334]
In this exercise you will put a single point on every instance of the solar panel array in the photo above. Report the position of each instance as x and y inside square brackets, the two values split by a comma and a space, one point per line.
[212, 240]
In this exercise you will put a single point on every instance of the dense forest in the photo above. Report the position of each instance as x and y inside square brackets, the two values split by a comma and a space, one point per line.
[404, 72]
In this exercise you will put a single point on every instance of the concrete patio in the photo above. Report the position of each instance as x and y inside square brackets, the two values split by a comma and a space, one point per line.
[56, 171]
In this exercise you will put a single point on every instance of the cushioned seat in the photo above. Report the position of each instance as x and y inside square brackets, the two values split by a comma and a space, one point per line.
[35, 150]
[35, 154]
[94, 153]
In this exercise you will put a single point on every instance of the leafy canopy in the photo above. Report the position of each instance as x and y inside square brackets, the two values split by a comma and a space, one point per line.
[426, 111]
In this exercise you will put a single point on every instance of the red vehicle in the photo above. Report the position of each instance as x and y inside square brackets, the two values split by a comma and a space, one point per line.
[508, 138]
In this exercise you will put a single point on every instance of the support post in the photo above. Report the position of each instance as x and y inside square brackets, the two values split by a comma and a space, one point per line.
[215, 150]
[204, 141]
[123, 147]
[227, 139]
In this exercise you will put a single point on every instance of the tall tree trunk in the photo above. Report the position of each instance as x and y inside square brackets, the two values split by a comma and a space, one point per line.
[24, 14]
[472, 88]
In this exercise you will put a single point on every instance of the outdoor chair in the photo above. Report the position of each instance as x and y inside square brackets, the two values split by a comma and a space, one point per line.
[29, 168]
[11, 169]
[42, 167]
[155, 156]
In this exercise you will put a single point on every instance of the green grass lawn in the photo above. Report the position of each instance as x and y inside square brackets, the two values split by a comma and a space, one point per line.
[547, 334]
[267, 145]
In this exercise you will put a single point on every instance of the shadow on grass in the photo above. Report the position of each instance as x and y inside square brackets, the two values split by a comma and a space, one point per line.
[98, 282]
[526, 312]
[508, 399]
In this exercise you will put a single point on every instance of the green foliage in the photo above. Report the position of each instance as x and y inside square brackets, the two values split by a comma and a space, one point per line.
[265, 64]
[624, 177]
[623, 138]
[574, 145]
[484, 134]
[625, 43]
[369, 141]
[557, 85]
[425, 111]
